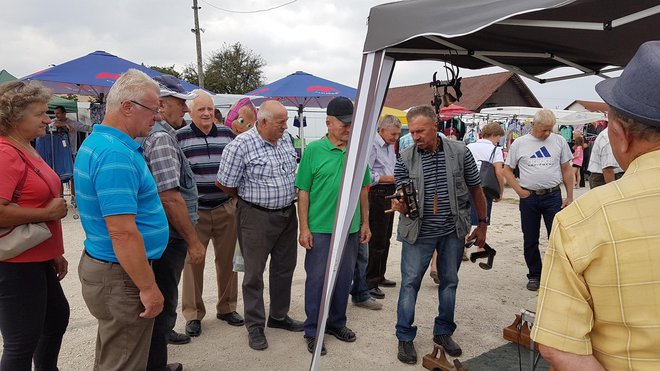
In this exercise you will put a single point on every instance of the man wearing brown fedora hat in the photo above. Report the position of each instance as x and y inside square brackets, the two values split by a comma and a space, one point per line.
[599, 298]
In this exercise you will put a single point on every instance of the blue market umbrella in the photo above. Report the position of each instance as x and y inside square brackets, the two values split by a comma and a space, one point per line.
[301, 89]
[90, 75]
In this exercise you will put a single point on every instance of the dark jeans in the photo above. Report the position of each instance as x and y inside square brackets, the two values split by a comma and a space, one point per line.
[34, 314]
[315, 263]
[359, 289]
[414, 263]
[167, 271]
[381, 231]
[532, 209]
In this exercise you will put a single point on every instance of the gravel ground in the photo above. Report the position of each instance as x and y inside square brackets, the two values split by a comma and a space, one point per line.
[486, 302]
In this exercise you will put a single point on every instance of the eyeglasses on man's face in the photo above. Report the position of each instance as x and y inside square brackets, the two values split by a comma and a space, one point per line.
[155, 111]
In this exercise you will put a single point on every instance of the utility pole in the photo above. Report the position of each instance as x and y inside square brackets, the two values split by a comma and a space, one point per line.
[198, 41]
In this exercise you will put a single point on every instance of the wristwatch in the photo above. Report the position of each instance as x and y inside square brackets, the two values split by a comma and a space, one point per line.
[483, 220]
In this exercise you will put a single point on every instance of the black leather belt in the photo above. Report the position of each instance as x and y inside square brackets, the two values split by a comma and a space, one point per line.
[150, 261]
[541, 192]
[285, 208]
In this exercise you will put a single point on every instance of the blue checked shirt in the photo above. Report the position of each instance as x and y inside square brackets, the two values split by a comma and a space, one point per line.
[263, 174]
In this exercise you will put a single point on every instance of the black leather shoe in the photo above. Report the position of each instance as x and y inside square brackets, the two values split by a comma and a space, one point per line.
[287, 323]
[311, 344]
[175, 338]
[387, 283]
[377, 293]
[533, 284]
[343, 334]
[231, 318]
[407, 353]
[174, 367]
[194, 328]
[257, 339]
[448, 344]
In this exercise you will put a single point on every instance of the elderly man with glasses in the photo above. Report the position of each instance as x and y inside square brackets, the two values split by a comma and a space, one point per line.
[178, 193]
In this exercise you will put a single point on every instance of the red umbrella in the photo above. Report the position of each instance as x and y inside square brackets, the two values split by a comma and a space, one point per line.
[453, 110]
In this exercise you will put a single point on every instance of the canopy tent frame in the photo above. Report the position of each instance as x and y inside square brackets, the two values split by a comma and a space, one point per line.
[417, 34]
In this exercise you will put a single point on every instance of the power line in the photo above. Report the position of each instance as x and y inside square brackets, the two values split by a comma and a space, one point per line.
[247, 11]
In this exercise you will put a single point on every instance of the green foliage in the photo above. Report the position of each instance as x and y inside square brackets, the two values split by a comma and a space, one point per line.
[233, 69]
[169, 70]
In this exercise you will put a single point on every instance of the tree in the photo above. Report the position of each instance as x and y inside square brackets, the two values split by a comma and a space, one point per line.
[168, 70]
[233, 69]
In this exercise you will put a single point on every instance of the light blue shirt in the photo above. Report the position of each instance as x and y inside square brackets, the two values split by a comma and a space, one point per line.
[112, 178]
[381, 160]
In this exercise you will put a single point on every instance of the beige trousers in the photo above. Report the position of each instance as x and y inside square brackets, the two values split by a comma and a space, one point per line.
[123, 338]
[218, 225]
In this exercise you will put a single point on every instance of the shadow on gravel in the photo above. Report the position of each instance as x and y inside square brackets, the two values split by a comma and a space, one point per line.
[504, 358]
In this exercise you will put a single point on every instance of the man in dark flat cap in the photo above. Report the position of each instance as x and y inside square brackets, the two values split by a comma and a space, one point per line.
[599, 298]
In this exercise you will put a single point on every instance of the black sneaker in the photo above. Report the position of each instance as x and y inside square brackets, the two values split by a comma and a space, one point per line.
[343, 334]
[257, 339]
[387, 283]
[311, 344]
[174, 367]
[377, 293]
[407, 353]
[175, 338]
[448, 344]
[533, 284]
[194, 327]
[287, 323]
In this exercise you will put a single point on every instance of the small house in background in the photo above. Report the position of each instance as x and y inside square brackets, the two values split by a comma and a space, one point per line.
[585, 105]
[485, 91]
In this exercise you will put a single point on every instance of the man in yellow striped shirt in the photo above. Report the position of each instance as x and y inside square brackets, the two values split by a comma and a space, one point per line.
[599, 300]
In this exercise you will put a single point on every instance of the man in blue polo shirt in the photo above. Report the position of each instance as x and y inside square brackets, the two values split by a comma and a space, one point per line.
[125, 225]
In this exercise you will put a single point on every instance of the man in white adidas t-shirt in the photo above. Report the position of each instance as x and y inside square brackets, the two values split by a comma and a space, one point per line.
[544, 161]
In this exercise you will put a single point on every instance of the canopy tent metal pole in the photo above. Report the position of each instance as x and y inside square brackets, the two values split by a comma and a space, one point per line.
[375, 76]
[593, 26]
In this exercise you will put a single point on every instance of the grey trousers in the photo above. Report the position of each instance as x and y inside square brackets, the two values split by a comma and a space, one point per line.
[260, 234]
[123, 337]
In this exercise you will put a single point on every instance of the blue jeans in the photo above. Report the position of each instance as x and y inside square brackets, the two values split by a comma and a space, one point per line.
[315, 262]
[167, 271]
[359, 289]
[414, 262]
[531, 210]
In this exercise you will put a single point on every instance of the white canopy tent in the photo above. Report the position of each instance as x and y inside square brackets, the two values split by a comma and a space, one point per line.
[564, 117]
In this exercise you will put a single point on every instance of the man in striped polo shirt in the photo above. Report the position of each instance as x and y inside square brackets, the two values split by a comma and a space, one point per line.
[203, 142]
[445, 175]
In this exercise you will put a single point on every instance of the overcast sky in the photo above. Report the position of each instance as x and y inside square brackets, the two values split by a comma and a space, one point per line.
[324, 38]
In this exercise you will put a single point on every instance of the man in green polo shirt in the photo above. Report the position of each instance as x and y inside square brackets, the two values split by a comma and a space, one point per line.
[318, 182]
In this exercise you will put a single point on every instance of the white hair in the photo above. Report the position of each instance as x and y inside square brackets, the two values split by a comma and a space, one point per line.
[200, 93]
[131, 85]
[266, 110]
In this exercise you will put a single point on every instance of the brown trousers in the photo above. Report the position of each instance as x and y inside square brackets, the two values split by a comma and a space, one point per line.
[218, 225]
[123, 338]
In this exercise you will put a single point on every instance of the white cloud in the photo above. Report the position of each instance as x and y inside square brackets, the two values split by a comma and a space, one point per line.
[324, 38]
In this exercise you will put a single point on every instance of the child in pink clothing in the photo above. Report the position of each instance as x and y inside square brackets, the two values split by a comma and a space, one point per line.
[578, 157]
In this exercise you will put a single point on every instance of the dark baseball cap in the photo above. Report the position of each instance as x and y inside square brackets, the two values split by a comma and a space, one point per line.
[171, 86]
[342, 109]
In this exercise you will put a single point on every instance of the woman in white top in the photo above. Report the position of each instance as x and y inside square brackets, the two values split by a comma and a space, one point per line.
[481, 151]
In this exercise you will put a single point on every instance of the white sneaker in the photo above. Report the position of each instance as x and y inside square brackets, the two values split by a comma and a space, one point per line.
[370, 303]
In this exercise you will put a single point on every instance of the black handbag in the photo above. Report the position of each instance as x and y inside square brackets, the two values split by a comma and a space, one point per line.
[489, 182]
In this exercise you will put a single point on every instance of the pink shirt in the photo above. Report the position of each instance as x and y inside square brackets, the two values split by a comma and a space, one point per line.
[35, 193]
[578, 155]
